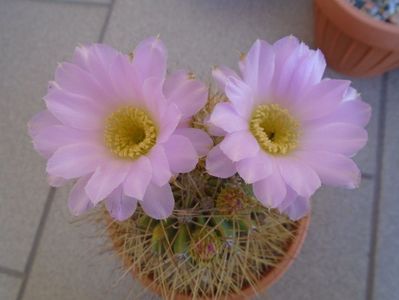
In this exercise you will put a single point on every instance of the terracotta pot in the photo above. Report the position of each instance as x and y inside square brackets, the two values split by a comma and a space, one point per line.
[268, 279]
[353, 42]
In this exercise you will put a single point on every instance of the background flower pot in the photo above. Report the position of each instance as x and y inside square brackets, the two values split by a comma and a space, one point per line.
[353, 42]
[269, 278]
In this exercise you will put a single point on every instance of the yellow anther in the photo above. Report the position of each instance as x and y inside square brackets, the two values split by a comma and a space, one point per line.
[130, 133]
[275, 129]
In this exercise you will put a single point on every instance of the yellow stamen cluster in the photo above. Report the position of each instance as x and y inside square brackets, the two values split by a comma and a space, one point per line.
[275, 129]
[130, 132]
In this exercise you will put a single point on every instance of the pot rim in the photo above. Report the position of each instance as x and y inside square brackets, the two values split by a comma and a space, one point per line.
[359, 25]
[265, 282]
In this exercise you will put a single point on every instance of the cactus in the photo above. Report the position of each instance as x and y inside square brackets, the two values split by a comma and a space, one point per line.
[218, 241]
[204, 252]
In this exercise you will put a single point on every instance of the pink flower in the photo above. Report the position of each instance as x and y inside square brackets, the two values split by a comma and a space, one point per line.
[286, 130]
[119, 126]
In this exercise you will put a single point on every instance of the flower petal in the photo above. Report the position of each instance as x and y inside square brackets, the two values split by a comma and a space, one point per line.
[309, 71]
[154, 99]
[125, 81]
[271, 191]
[239, 145]
[290, 196]
[259, 68]
[332, 168]
[41, 120]
[298, 208]
[212, 129]
[300, 70]
[138, 178]
[354, 112]
[56, 181]
[255, 168]
[188, 94]
[76, 80]
[221, 76]
[321, 99]
[181, 154]
[96, 57]
[99, 62]
[218, 164]
[225, 117]
[78, 201]
[119, 205]
[158, 201]
[241, 96]
[283, 48]
[74, 110]
[169, 122]
[79, 57]
[150, 58]
[166, 115]
[50, 138]
[105, 179]
[343, 138]
[201, 141]
[160, 166]
[75, 160]
[285, 63]
[299, 176]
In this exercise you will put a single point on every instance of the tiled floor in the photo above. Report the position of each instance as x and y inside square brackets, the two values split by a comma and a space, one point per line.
[352, 248]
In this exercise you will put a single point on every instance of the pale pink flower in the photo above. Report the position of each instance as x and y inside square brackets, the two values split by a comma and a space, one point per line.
[119, 125]
[286, 130]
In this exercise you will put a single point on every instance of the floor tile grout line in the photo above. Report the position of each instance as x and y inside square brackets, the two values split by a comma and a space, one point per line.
[377, 188]
[81, 3]
[11, 272]
[367, 176]
[36, 241]
[106, 22]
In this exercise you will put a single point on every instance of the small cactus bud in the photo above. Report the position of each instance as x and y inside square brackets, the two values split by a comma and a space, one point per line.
[231, 200]
[205, 245]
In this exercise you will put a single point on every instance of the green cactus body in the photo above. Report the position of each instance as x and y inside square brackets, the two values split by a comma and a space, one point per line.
[182, 241]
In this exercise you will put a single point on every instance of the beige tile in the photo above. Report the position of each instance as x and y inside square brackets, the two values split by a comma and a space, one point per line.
[198, 34]
[73, 262]
[9, 287]
[387, 260]
[34, 36]
[88, 2]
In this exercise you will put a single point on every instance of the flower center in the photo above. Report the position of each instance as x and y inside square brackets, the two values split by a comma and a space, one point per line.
[130, 133]
[275, 129]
